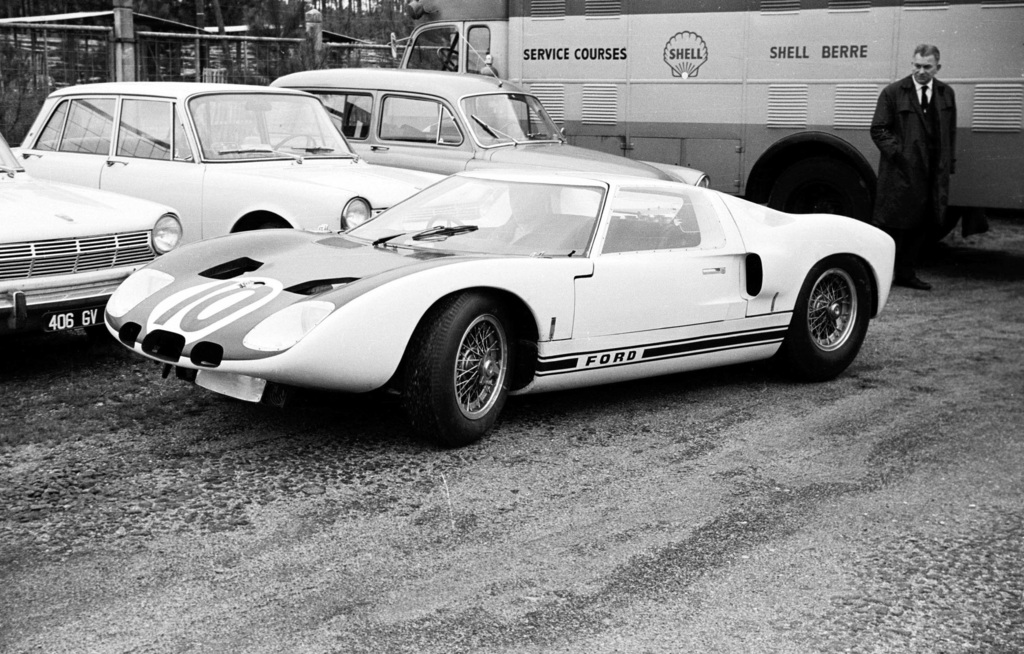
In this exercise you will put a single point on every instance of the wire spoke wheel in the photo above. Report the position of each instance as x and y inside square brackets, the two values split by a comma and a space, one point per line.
[832, 309]
[481, 364]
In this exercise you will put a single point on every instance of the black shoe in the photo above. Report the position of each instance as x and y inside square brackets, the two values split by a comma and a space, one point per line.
[913, 282]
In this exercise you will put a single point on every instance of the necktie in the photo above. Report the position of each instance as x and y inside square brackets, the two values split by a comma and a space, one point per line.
[924, 99]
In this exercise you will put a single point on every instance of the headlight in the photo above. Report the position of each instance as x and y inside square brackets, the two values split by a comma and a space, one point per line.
[355, 213]
[166, 233]
[288, 326]
[135, 289]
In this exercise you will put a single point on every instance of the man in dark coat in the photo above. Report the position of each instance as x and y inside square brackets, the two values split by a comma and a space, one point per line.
[917, 137]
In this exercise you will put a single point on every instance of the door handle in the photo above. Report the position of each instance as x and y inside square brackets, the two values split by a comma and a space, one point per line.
[26, 155]
[111, 162]
[379, 148]
[715, 271]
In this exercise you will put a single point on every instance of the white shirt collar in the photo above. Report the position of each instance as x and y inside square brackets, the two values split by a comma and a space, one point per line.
[918, 86]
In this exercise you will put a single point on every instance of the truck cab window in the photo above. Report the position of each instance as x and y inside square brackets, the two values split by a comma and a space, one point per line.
[436, 49]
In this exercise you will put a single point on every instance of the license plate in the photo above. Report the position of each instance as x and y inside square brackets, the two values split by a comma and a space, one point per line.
[58, 321]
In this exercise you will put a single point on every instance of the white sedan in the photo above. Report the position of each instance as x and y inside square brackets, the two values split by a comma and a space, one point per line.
[64, 249]
[492, 283]
[227, 157]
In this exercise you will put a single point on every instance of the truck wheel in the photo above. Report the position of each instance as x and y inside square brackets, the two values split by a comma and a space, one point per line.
[456, 373]
[829, 321]
[822, 185]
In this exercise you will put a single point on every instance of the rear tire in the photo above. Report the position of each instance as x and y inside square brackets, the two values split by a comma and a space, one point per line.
[830, 320]
[822, 185]
[457, 369]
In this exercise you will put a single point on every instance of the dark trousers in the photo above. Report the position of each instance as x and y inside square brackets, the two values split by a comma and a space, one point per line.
[909, 243]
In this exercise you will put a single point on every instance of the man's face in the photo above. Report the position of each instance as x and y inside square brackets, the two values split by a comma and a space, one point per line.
[924, 68]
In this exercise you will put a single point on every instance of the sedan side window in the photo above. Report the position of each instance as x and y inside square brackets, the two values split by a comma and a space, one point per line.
[89, 127]
[418, 120]
[49, 137]
[145, 131]
[655, 220]
[350, 113]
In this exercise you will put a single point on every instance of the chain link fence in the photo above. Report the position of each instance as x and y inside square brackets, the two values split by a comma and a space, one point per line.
[35, 59]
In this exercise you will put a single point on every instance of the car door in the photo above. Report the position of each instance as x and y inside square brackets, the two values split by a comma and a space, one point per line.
[419, 133]
[74, 143]
[667, 259]
[153, 159]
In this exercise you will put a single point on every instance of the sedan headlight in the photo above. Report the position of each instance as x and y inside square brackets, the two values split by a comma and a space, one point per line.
[166, 233]
[355, 213]
[288, 326]
[135, 289]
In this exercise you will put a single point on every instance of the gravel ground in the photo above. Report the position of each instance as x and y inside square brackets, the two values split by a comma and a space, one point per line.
[722, 511]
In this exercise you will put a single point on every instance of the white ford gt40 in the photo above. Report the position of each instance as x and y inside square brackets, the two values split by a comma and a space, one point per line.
[501, 282]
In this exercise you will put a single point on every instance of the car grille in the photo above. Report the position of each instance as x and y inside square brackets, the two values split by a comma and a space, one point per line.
[74, 255]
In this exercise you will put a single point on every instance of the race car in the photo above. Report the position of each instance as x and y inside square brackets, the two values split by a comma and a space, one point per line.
[494, 283]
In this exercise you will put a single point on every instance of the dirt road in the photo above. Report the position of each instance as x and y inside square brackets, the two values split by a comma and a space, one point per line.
[726, 511]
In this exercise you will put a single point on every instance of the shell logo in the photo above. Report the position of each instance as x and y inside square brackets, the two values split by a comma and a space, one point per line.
[685, 53]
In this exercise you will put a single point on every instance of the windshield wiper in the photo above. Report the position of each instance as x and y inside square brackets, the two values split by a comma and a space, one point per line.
[439, 232]
[384, 239]
[444, 231]
[260, 149]
[495, 133]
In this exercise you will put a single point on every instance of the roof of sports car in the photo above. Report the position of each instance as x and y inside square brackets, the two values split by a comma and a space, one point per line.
[418, 81]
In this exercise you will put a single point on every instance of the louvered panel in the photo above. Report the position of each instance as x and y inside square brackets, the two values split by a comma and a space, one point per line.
[998, 108]
[552, 96]
[839, 5]
[999, 3]
[600, 104]
[603, 8]
[547, 8]
[920, 4]
[855, 105]
[69, 256]
[774, 6]
[787, 105]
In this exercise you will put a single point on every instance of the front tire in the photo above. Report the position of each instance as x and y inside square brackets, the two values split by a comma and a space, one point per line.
[830, 320]
[457, 369]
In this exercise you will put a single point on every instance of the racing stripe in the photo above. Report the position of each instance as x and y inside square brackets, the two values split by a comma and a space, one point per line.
[659, 351]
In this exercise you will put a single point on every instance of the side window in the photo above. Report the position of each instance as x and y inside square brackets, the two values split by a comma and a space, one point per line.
[89, 127]
[182, 149]
[435, 49]
[49, 138]
[419, 121]
[350, 113]
[145, 130]
[478, 38]
[655, 220]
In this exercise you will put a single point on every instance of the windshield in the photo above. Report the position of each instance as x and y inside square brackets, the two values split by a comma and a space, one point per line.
[465, 214]
[7, 159]
[233, 126]
[508, 118]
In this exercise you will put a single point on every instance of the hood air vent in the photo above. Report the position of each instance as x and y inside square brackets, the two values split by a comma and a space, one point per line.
[232, 268]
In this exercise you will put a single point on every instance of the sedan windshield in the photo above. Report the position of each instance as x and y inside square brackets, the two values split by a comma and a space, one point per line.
[233, 126]
[465, 214]
[508, 118]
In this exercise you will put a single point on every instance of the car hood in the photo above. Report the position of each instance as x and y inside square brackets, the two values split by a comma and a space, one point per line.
[34, 210]
[357, 178]
[569, 157]
[286, 266]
